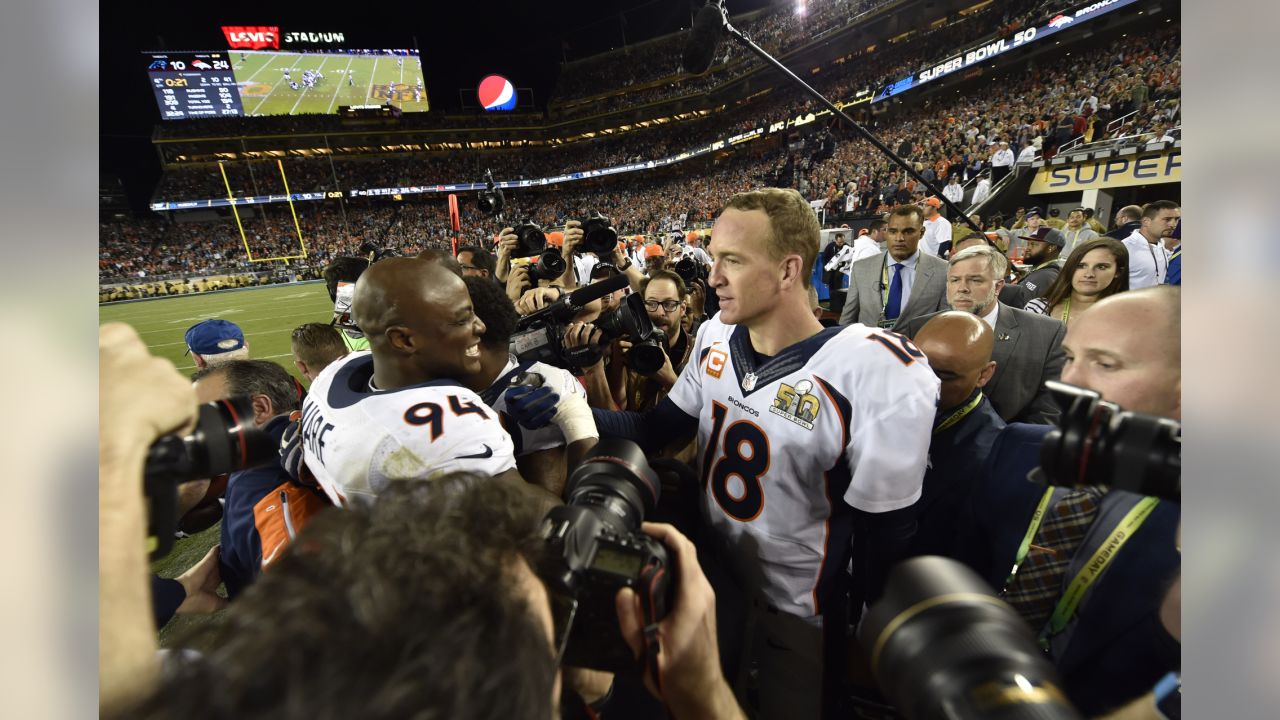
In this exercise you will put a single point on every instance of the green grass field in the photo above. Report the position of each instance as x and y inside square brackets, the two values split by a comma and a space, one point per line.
[267, 316]
[265, 91]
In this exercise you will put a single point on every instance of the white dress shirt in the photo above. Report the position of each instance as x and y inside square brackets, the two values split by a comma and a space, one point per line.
[1148, 262]
[993, 315]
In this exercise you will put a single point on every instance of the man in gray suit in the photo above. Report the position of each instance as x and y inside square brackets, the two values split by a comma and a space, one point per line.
[1028, 347]
[899, 284]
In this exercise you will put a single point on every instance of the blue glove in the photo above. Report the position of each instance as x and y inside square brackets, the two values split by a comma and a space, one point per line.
[531, 407]
[291, 454]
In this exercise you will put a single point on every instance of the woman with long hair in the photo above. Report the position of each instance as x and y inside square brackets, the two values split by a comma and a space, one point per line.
[1095, 269]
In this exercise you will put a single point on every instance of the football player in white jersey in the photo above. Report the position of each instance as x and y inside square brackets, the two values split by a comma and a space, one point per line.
[803, 434]
[395, 413]
[545, 453]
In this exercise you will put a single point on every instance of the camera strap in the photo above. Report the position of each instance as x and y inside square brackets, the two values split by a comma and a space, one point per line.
[1093, 569]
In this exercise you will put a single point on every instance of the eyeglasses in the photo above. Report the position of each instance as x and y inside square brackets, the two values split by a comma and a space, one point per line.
[667, 305]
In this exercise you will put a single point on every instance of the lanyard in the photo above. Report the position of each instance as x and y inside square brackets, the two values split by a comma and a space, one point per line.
[1066, 310]
[959, 415]
[884, 284]
[1034, 527]
[1102, 557]
[1151, 249]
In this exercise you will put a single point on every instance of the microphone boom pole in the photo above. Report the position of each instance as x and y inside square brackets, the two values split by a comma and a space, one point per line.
[863, 132]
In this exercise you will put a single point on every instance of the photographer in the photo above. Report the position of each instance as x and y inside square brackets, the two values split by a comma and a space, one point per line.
[460, 611]
[1110, 646]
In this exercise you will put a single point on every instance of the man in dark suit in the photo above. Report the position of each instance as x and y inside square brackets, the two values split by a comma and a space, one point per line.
[1028, 347]
[901, 283]
[1115, 646]
[958, 347]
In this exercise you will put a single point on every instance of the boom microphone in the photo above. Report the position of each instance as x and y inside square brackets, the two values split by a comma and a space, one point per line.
[596, 290]
[704, 38]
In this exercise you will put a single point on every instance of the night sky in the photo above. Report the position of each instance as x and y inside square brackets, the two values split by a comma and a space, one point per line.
[460, 43]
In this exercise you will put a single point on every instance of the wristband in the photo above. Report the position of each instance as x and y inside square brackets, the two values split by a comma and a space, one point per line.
[626, 265]
[573, 417]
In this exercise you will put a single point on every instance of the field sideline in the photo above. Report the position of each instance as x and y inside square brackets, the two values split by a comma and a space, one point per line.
[265, 91]
[267, 316]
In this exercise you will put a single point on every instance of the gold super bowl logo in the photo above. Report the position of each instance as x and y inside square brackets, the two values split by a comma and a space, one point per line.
[797, 404]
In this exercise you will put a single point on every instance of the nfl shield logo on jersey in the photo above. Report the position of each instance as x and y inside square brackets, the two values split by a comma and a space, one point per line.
[797, 404]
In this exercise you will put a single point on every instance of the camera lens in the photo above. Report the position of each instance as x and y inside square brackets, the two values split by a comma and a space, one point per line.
[687, 269]
[225, 440]
[615, 477]
[598, 236]
[531, 240]
[646, 357]
[550, 266]
[942, 646]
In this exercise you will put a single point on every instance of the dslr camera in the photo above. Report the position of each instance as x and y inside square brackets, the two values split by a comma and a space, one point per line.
[225, 440]
[594, 548]
[1097, 443]
[532, 242]
[598, 235]
[539, 336]
[490, 199]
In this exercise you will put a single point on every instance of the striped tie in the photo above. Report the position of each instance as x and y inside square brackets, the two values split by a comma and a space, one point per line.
[1038, 583]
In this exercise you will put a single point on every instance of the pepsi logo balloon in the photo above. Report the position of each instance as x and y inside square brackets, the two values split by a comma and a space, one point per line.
[496, 93]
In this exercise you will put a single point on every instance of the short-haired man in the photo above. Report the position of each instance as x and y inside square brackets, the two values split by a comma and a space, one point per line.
[1001, 162]
[545, 453]
[870, 241]
[953, 191]
[958, 346]
[1028, 347]
[212, 342]
[1044, 255]
[696, 251]
[314, 347]
[901, 283]
[837, 266]
[776, 401]
[982, 189]
[1076, 231]
[1114, 647]
[400, 412]
[271, 390]
[1148, 251]
[663, 294]
[477, 262]
[937, 229]
[1128, 219]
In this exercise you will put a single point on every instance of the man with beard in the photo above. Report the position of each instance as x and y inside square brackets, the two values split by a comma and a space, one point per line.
[664, 294]
[1028, 347]
[1044, 248]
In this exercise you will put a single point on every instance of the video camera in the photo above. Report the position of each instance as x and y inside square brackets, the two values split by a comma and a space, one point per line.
[594, 548]
[539, 336]
[944, 647]
[1097, 443]
[490, 199]
[225, 440]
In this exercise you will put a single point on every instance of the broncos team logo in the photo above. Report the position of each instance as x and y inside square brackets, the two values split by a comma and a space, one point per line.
[797, 404]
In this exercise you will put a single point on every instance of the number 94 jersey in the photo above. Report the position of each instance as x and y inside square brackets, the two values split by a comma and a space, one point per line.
[786, 445]
[356, 440]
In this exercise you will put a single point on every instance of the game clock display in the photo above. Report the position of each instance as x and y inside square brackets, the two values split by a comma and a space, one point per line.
[194, 85]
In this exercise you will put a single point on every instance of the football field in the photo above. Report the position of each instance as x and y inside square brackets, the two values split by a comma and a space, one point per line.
[348, 80]
[267, 316]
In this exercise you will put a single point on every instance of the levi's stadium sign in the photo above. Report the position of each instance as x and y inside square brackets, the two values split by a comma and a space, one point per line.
[258, 37]
[252, 37]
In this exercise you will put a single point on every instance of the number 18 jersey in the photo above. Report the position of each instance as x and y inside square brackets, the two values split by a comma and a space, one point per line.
[787, 444]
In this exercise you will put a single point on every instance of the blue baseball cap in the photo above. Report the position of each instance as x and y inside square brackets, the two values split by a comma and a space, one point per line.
[211, 337]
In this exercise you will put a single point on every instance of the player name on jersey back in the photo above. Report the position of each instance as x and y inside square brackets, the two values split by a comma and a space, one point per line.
[788, 444]
[356, 440]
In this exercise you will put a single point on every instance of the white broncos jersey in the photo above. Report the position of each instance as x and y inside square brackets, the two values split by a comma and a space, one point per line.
[786, 445]
[357, 440]
[549, 436]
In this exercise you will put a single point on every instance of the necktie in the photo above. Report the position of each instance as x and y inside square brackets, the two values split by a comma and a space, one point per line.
[893, 308]
[1038, 584]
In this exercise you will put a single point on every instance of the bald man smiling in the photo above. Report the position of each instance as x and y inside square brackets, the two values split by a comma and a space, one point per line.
[398, 412]
[958, 346]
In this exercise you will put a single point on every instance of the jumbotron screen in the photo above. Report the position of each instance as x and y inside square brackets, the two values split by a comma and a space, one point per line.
[255, 82]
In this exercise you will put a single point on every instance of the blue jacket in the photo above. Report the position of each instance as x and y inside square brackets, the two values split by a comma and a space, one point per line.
[1119, 648]
[241, 557]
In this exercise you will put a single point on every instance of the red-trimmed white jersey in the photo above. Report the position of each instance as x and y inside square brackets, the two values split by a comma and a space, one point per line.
[528, 441]
[357, 440]
[787, 445]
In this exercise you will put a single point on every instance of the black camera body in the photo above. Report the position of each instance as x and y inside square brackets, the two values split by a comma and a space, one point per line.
[690, 270]
[490, 199]
[598, 235]
[539, 336]
[1097, 443]
[594, 548]
[532, 240]
[225, 440]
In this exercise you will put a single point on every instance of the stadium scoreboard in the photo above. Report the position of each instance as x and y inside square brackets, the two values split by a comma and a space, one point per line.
[194, 85]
